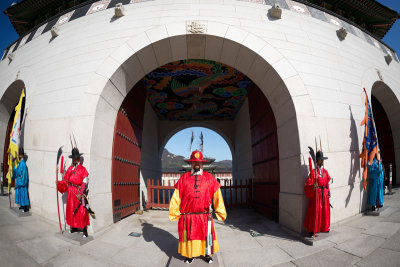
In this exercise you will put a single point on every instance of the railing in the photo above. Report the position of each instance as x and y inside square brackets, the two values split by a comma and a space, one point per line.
[154, 188]
[238, 194]
[235, 194]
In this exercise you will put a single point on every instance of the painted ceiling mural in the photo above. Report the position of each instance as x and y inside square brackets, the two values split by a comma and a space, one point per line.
[196, 89]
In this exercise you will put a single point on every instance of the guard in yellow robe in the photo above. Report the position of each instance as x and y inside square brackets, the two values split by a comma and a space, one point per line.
[194, 193]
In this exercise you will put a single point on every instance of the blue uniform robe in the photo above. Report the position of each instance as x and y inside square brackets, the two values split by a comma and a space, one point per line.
[375, 189]
[20, 173]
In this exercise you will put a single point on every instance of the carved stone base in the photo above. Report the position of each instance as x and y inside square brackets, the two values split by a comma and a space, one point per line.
[74, 238]
[20, 213]
[374, 212]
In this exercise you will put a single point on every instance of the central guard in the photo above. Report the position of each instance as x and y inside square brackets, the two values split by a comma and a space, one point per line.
[194, 194]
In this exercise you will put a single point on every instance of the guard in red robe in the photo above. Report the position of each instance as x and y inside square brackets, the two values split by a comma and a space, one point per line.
[195, 192]
[75, 182]
[320, 216]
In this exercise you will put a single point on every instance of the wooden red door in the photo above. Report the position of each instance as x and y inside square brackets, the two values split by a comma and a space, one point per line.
[385, 138]
[265, 154]
[125, 172]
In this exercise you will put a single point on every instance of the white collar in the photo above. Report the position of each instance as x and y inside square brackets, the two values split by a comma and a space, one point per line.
[73, 168]
[197, 173]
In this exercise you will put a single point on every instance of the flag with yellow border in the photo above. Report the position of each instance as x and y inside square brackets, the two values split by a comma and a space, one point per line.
[12, 150]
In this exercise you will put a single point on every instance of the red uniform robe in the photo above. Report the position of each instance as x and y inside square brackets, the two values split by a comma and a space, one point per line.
[323, 213]
[75, 180]
[194, 193]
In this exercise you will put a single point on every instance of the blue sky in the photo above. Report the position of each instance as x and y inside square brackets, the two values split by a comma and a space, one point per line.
[214, 145]
[392, 38]
[7, 32]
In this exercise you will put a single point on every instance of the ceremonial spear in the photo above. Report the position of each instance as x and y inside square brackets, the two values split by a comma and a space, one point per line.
[316, 189]
[314, 179]
[191, 142]
[59, 153]
[201, 141]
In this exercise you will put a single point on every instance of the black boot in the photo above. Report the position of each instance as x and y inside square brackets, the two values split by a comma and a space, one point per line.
[312, 234]
[208, 259]
[188, 260]
[73, 230]
[85, 233]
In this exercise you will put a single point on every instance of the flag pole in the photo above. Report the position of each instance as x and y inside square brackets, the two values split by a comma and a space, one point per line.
[9, 182]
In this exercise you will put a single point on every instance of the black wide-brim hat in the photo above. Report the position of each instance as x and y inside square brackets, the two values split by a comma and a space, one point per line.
[75, 153]
[21, 151]
[320, 156]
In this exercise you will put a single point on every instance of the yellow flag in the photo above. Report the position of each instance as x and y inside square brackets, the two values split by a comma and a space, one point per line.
[12, 151]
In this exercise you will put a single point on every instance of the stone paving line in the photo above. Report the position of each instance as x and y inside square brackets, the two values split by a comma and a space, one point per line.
[360, 241]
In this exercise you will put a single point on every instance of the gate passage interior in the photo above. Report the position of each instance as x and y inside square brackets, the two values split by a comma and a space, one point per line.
[194, 90]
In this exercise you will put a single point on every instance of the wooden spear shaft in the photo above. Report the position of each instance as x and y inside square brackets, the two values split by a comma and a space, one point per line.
[316, 189]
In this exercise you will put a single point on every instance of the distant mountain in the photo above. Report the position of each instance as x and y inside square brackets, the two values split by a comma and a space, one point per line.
[223, 163]
[172, 162]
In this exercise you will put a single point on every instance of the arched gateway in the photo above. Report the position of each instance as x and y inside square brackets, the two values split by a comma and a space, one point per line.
[124, 115]
[196, 90]
[301, 75]
[385, 108]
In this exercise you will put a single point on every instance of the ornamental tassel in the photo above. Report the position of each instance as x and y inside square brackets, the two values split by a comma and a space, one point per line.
[62, 165]
[185, 238]
[184, 235]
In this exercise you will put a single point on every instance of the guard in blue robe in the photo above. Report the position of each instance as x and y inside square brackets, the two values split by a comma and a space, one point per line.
[20, 173]
[375, 189]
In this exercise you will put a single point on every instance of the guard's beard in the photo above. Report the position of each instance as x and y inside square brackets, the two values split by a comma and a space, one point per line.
[196, 168]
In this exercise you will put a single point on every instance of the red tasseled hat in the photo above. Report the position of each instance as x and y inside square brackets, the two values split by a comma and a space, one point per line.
[196, 156]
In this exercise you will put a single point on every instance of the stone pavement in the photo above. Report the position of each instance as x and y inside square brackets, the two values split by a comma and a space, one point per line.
[361, 241]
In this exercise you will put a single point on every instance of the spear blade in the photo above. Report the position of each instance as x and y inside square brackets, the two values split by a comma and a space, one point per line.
[312, 154]
[59, 153]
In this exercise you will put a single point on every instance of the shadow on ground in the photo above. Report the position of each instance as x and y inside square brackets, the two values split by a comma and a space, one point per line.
[249, 221]
[164, 240]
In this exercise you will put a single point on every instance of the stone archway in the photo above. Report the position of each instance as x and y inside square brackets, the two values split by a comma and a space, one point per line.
[266, 67]
[204, 91]
[385, 108]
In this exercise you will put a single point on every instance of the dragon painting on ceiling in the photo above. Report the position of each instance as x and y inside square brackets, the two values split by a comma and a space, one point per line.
[196, 90]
